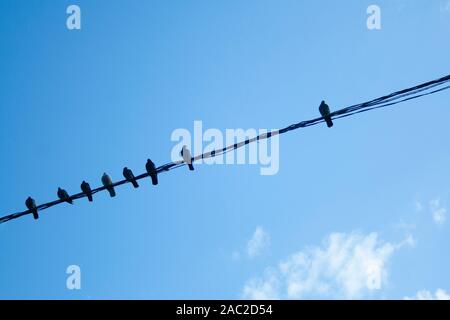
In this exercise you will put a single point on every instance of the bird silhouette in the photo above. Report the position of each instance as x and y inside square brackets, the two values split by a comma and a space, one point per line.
[107, 182]
[63, 195]
[186, 154]
[151, 170]
[324, 110]
[86, 188]
[31, 205]
[128, 174]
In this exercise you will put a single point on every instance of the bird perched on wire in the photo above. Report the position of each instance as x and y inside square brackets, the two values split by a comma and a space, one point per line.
[128, 174]
[31, 205]
[86, 188]
[186, 154]
[324, 110]
[151, 170]
[63, 195]
[107, 182]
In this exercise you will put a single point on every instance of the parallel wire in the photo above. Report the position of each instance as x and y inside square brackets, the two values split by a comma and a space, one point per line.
[381, 102]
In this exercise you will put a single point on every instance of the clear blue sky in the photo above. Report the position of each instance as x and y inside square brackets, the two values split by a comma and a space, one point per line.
[74, 104]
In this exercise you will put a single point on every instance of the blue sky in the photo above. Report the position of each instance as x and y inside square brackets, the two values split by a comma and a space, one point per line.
[369, 191]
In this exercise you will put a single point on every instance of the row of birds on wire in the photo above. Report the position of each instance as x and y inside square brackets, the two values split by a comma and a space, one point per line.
[107, 182]
[152, 171]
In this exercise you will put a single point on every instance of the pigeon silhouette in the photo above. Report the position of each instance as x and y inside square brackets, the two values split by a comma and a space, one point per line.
[128, 174]
[31, 205]
[86, 188]
[151, 170]
[186, 154]
[107, 182]
[324, 110]
[63, 195]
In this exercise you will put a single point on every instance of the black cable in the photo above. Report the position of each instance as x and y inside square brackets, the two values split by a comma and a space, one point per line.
[381, 102]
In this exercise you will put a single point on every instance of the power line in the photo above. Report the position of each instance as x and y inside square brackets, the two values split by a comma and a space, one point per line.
[389, 100]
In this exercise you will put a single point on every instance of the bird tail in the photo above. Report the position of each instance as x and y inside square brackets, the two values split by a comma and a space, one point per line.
[112, 192]
[35, 215]
[70, 201]
[329, 122]
[135, 184]
[154, 179]
[191, 166]
[89, 196]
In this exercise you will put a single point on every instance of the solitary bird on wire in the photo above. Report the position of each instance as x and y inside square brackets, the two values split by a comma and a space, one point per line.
[86, 188]
[128, 174]
[107, 182]
[324, 110]
[151, 170]
[63, 195]
[31, 205]
[186, 154]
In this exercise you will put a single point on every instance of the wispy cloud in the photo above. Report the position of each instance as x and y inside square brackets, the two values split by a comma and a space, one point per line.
[265, 288]
[440, 294]
[344, 266]
[258, 242]
[439, 212]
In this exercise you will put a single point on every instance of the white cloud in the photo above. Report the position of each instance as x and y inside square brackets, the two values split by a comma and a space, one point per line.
[409, 241]
[345, 266]
[263, 289]
[440, 294]
[259, 241]
[439, 216]
[439, 213]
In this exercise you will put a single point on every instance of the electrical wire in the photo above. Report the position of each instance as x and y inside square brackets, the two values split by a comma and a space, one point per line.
[389, 100]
